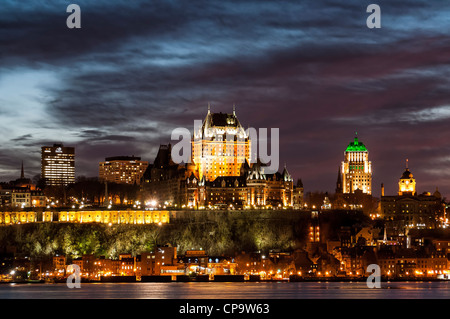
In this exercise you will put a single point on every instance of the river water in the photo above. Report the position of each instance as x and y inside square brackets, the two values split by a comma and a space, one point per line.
[218, 290]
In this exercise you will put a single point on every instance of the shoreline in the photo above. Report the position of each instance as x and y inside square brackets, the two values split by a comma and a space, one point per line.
[318, 280]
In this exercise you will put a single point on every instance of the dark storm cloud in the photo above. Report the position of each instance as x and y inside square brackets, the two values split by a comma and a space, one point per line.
[38, 33]
[22, 138]
[136, 70]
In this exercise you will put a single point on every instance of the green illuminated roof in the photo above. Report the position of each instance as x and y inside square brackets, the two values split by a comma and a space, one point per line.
[356, 146]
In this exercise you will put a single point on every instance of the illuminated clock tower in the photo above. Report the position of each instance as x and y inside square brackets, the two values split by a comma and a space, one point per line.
[356, 169]
[407, 183]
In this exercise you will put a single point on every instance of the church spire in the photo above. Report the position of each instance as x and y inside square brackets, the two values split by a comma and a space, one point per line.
[234, 109]
[209, 108]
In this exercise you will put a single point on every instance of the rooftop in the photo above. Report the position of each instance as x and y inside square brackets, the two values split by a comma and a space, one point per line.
[123, 158]
[356, 146]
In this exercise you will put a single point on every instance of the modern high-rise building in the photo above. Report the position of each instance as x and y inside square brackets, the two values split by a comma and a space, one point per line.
[356, 169]
[220, 147]
[122, 169]
[58, 165]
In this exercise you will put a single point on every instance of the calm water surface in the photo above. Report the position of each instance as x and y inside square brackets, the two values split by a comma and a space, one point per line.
[216, 290]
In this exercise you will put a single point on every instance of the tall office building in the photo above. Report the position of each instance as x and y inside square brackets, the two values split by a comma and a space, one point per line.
[220, 147]
[122, 169]
[58, 165]
[356, 169]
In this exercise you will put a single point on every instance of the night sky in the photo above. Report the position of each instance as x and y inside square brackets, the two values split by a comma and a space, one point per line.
[136, 70]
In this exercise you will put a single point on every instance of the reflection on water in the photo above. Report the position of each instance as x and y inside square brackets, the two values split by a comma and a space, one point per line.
[216, 290]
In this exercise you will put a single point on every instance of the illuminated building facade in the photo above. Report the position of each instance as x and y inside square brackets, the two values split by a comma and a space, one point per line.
[219, 174]
[20, 217]
[220, 147]
[407, 183]
[27, 198]
[122, 169]
[356, 169]
[248, 190]
[115, 217]
[58, 165]
[412, 210]
[252, 188]
[314, 233]
[59, 263]
[88, 216]
[411, 263]
[297, 198]
[156, 262]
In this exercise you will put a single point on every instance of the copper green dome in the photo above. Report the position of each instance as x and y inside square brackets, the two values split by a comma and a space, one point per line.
[356, 146]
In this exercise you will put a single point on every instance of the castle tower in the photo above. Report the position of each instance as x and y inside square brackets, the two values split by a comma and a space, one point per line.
[221, 146]
[356, 169]
[407, 183]
[299, 194]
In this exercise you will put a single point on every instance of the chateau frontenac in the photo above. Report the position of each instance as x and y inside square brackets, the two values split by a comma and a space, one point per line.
[220, 173]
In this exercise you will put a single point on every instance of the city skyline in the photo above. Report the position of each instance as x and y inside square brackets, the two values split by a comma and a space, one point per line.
[382, 186]
[315, 71]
